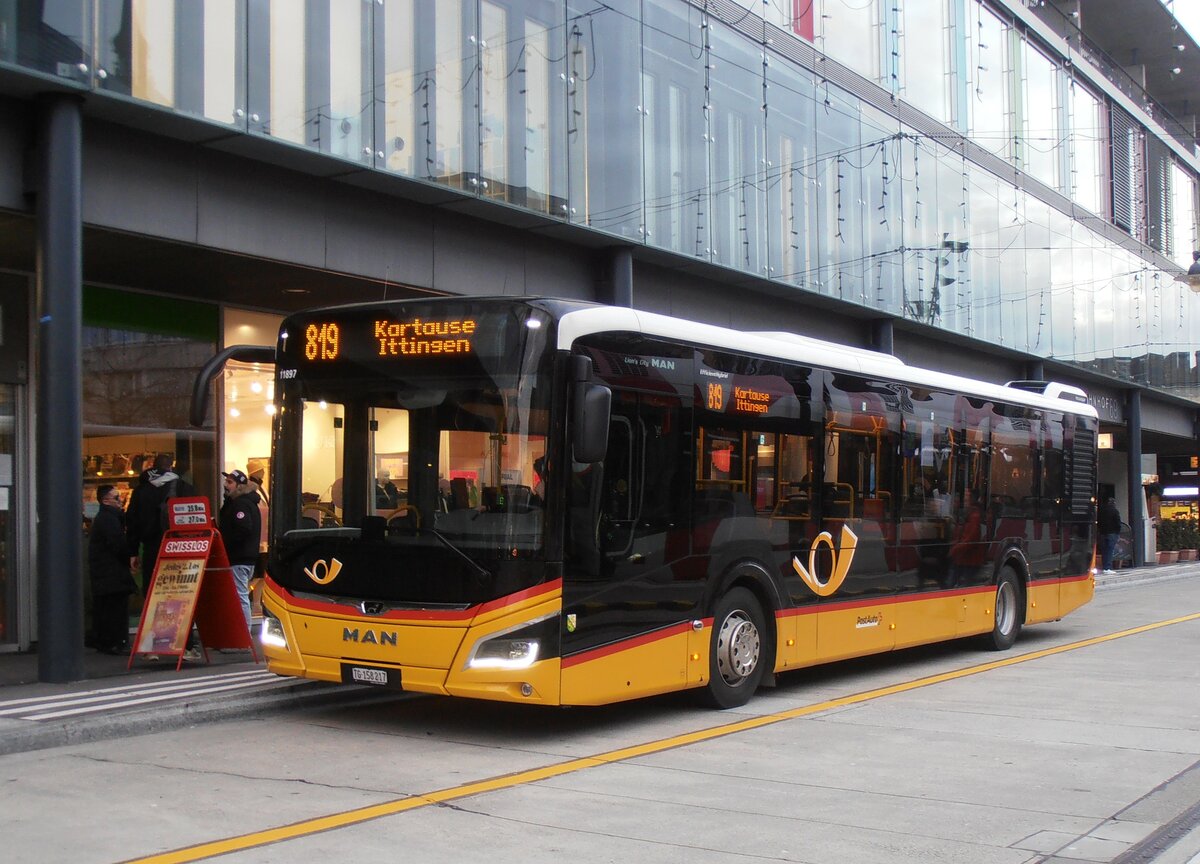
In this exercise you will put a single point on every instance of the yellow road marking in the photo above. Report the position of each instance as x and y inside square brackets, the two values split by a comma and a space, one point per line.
[508, 781]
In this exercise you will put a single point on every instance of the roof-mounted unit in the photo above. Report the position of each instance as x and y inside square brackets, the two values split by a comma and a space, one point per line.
[1051, 390]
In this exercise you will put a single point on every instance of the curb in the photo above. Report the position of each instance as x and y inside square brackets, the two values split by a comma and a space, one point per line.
[24, 736]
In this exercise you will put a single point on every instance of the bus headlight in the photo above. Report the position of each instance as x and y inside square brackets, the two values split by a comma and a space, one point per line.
[272, 634]
[518, 647]
[505, 654]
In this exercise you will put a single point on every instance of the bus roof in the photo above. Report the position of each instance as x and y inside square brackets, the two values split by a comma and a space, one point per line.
[807, 350]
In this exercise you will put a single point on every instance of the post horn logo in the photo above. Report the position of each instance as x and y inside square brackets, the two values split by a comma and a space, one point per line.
[323, 573]
[841, 562]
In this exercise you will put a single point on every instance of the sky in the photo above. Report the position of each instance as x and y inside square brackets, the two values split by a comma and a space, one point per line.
[1188, 13]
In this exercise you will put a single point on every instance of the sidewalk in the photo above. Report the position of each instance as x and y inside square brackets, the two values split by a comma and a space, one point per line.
[112, 701]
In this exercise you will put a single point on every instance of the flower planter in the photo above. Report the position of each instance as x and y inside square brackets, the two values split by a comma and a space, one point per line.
[1188, 554]
[1168, 557]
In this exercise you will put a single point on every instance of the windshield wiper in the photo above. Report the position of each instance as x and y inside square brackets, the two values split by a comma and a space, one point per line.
[479, 569]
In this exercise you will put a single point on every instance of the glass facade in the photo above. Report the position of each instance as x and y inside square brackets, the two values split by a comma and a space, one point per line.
[655, 122]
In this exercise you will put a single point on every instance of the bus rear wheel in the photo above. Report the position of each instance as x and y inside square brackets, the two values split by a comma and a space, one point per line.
[1007, 618]
[736, 661]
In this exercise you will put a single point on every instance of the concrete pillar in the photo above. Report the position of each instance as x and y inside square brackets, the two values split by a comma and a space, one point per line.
[882, 335]
[59, 388]
[1133, 465]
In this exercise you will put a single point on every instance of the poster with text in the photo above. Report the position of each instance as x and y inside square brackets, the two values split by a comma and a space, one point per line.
[168, 615]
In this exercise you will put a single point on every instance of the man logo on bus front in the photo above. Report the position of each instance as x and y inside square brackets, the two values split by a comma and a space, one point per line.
[841, 563]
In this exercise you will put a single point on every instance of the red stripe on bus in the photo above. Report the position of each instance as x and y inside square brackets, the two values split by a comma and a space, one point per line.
[416, 614]
[618, 647]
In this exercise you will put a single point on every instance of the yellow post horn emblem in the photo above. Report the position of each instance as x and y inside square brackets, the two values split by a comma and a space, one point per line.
[841, 563]
[323, 573]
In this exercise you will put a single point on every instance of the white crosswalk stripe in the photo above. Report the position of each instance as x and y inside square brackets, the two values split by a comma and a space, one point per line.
[129, 696]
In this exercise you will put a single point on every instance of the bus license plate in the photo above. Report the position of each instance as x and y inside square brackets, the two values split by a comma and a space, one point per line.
[374, 676]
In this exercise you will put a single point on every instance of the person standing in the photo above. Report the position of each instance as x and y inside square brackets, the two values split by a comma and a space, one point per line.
[1194, 270]
[146, 519]
[241, 528]
[108, 567]
[1110, 531]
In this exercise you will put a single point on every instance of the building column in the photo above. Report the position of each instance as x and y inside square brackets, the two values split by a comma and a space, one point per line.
[883, 335]
[1133, 467]
[621, 277]
[59, 389]
[1035, 370]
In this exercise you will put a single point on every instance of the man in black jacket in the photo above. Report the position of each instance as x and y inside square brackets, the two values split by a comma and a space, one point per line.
[1110, 532]
[241, 527]
[112, 583]
[146, 521]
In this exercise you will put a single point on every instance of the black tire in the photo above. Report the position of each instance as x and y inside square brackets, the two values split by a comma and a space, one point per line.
[737, 658]
[1008, 611]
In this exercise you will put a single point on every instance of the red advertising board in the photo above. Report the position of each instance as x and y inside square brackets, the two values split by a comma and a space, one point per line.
[192, 583]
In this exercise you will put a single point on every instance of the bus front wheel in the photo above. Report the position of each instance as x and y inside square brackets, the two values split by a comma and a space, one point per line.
[736, 661]
[1007, 610]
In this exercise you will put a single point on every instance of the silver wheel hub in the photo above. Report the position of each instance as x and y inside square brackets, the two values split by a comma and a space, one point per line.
[1006, 608]
[738, 646]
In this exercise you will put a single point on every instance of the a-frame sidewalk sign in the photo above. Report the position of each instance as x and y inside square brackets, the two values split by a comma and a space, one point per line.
[192, 582]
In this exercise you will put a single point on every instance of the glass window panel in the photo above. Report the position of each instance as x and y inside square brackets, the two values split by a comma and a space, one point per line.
[349, 96]
[848, 31]
[185, 56]
[1041, 133]
[1087, 138]
[1083, 294]
[839, 234]
[1013, 293]
[405, 93]
[54, 36]
[428, 54]
[537, 116]
[737, 151]
[604, 116]
[880, 210]
[791, 183]
[1037, 275]
[983, 235]
[222, 50]
[925, 53]
[1183, 216]
[674, 54]
[493, 98]
[989, 106]
[153, 60]
[1060, 315]
[950, 276]
[1104, 295]
[286, 110]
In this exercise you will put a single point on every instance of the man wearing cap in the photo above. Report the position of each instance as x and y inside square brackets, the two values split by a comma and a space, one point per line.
[240, 527]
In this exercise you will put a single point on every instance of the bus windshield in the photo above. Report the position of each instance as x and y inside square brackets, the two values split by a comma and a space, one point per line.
[419, 466]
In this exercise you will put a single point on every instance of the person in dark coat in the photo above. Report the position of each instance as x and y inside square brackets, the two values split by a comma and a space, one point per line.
[146, 520]
[241, 529]
[112, 582]
[1109, 529]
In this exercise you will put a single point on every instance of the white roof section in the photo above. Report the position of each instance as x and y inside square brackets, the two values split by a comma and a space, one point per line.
[804, 350]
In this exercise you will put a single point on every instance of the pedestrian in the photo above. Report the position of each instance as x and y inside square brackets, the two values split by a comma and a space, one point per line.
[241, 529]
[1194, 270]
[146, 519]
[260, 569]
[109, 569]
[1110, 531]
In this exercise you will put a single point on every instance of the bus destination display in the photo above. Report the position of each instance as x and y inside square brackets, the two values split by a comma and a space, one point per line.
[323, 340]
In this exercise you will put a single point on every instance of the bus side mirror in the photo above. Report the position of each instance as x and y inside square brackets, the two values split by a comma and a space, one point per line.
[589, 413]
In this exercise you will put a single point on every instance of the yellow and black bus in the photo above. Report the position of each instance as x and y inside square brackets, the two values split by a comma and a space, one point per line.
[562, 503]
